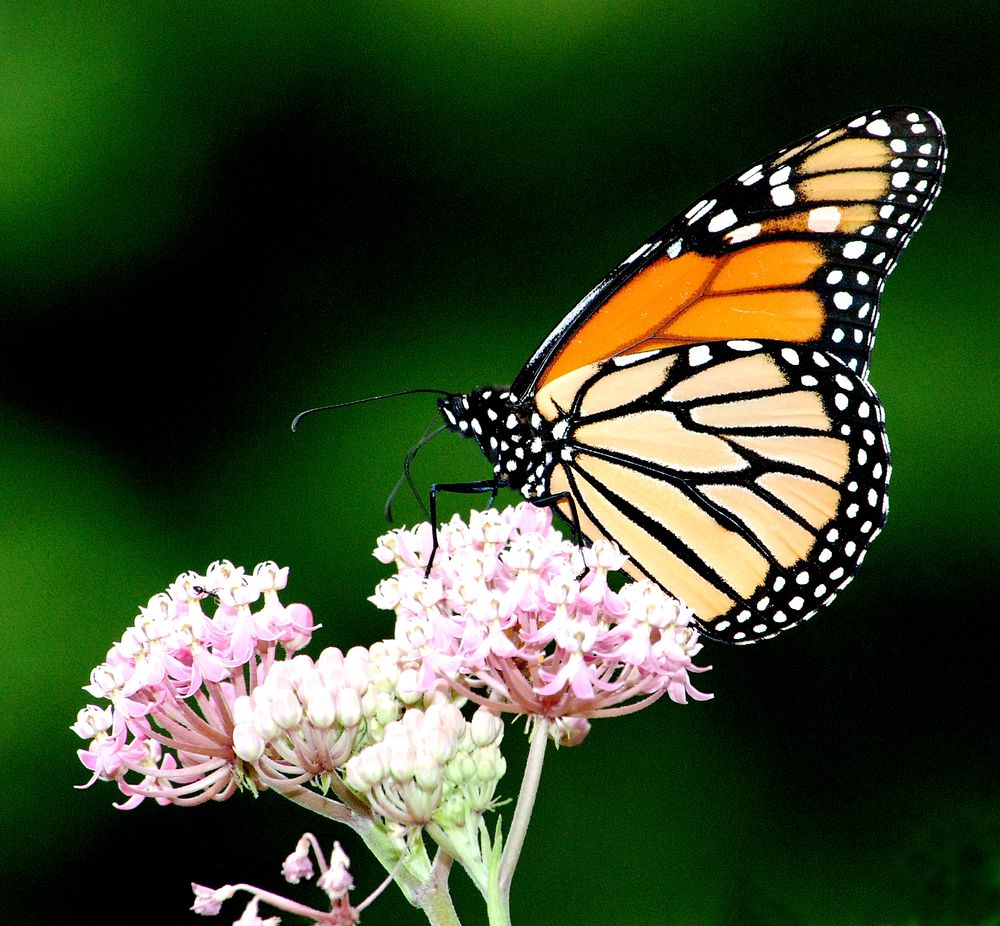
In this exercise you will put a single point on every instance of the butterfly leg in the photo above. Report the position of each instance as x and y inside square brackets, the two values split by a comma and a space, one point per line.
[552, 501]
[461, 488]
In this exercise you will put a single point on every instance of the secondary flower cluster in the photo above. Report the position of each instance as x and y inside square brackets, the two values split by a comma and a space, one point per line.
[432, 765]
[172, 680]
[519, 619]
[409, 755]
[334, 880]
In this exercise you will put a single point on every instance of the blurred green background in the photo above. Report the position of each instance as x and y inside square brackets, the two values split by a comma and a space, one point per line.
[214, 215]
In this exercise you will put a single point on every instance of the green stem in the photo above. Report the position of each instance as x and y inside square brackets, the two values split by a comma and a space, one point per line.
[497, 903]
[438, 907]
[498, 897]
[456, 846]
[424, 885]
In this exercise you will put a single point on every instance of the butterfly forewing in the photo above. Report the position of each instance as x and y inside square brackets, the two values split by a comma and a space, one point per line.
[748, 478]
[796, 248]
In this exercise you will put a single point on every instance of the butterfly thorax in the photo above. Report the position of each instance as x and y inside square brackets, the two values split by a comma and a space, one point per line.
[512, 435]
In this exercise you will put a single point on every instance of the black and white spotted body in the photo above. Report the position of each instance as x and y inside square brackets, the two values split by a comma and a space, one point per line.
[512, 436]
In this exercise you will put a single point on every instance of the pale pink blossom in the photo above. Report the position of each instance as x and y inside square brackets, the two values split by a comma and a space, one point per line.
[172, 681]
[518, 619]
[336, 881]
[208, 901]
[306, 719]
[298, 865]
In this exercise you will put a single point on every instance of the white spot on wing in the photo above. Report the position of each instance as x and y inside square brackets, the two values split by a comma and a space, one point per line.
[626, 360]
[722, 221]
[782, 195]
[744, 233]
[636, 254]
[824, 219]
[780, 176]
[699, 354]
[700, 209]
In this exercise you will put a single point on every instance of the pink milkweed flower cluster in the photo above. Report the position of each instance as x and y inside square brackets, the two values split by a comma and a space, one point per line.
[171, 681]
[519, 619]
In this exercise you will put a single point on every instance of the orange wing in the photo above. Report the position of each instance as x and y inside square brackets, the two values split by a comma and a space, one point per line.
[796, 249]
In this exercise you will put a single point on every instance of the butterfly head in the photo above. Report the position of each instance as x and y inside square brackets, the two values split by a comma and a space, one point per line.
[487, 414]
[502, 427]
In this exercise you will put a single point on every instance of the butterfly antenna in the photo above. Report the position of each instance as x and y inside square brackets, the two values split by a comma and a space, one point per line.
[406, 477]
[374, 398]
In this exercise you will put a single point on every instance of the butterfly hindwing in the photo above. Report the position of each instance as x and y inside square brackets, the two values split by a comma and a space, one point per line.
[796, 248]
[747, 477]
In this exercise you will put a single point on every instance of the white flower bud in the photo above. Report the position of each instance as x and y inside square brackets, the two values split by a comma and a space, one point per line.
[386, 709]
[437, 743]
[263, 717]
[286, 708]
[427, 771]
[408, 687]
[320, 708]
[356, 668]
[300, 671]
[402, 757]
[365, 770]
[243, 710]
[330, 664]
[486, 727]
[440, 692]
[348, 707]
[247, 743]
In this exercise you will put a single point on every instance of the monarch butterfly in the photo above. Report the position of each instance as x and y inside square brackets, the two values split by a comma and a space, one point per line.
[707, 405]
